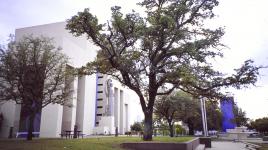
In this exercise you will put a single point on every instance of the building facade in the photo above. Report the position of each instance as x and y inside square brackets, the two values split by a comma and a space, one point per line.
[99, 104]
[227, 110]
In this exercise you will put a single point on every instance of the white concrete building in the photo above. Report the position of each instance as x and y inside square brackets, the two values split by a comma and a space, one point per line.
[100, 103]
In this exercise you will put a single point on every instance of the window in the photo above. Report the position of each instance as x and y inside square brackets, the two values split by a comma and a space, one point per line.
[100, 84]
[100, 77]
[99, 99]
[99, 114]
[99, 106]
[100, 91]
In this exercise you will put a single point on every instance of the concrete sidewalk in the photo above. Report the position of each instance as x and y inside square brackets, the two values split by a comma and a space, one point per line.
[226, 145]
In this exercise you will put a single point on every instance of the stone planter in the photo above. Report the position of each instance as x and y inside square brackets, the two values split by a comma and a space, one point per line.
[190, 145]
[206, 141]
[265, 138]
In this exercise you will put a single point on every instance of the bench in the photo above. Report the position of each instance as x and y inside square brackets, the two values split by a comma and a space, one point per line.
[80, 135]
[71, 135]
[66, 135]
[128, 133]
[24, 134]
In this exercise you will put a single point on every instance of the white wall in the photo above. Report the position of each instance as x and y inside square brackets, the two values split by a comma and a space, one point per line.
[124, 96]
[11, 114]
[51, 120]
[135, 113]
[69, 111]
[80, 51]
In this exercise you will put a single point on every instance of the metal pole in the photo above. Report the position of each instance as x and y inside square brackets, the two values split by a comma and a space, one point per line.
[203, 117]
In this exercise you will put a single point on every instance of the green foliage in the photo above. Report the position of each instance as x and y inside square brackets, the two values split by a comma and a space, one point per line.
[169, 48]
[167, 109]
[34, 73]
[260, 125]
[214, 115]
[240, 118]
[190, 113]
[179, 130]
[137, 126]
[180, 106]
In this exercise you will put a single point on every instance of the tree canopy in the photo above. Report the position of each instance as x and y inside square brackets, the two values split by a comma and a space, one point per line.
[240, 118]
[260, 125]
[167, 108]
[137, 126]
[180, 106]
[168, 49]
[34, 73]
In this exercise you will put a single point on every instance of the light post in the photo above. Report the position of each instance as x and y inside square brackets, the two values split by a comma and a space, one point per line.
[204, 116]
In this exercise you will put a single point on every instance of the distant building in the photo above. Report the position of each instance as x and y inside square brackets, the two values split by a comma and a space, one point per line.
[99, 103]
[227, 106]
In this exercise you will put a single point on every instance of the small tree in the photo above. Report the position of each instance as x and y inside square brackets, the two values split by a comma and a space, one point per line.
[240, 118]
[214, 116]
[167, 108]
[179, 129]
[137, 127]
[33, 73]
[261, 125]
[190, 113]
[168, 48]
[181, 106]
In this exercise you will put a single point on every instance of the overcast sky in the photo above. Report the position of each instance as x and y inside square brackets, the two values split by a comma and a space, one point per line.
[245, 22]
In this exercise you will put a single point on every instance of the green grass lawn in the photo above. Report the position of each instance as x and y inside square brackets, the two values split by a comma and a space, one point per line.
[105, 143]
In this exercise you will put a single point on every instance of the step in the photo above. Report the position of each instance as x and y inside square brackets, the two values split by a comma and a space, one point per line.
[251, 146]
[200, 147]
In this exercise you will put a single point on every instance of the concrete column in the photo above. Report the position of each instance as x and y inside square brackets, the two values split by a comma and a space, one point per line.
[80, 102]
[126, 118]
[90, 104]
[121, 129]
[116, 108]
[69, 109]
[86, 99]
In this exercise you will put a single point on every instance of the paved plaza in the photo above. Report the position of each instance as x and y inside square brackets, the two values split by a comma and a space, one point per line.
[227, 145]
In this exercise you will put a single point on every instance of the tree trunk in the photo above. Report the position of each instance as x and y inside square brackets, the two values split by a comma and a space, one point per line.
[171, 131]
[191, 129]
[31, 127]
[148, 126]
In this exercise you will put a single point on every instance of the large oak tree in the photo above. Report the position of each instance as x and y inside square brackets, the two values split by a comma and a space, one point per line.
[169, 48]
